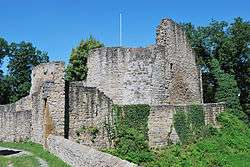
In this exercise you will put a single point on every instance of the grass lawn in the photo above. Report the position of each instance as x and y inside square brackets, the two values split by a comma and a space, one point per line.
[30, 160]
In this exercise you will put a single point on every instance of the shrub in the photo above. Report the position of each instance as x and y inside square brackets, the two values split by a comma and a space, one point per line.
[131, 138]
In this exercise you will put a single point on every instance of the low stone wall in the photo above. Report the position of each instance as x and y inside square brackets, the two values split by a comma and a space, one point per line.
[161, 124]
[15, 122]
[81, 156]
[211, 111]
[89, 112]
[23, 104]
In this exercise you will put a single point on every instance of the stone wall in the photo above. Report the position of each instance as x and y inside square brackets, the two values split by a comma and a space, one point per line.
[24, 104]
[161, 125]
[89, 112]
[48, 100]
[15, 121]
[79, 155]
[165, 73]
[211, 111]
[14, 125]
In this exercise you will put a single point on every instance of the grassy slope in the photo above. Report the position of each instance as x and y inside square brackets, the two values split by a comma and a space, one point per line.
[37, 150]
[229, 147]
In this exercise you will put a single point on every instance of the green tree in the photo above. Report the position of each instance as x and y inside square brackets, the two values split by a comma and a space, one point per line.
[3, 49]
[22, 57]
[3, 84]
[229, 44]
[239, 45]
[227, 89]
[77, 68]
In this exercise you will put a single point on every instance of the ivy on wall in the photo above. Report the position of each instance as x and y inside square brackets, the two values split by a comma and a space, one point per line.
[189, 123]
[131, 133]
[182, 125]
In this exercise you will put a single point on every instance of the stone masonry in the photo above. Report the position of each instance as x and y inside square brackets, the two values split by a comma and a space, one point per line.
[161, 127]
[48, 100]
[164, 76]
[89, 112]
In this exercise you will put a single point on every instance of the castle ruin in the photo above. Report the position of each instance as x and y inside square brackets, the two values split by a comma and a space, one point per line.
[164, 76]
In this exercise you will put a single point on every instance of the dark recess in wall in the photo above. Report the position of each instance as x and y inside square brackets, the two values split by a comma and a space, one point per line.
[66, 116]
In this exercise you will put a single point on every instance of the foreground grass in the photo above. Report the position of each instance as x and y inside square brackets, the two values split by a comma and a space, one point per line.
[24, 161]
[229, 147]
[30, 161]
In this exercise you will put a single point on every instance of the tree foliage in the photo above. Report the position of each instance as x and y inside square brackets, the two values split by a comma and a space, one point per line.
[229, 45]
[227, 89]
[3, 84]
[77, 68]
[22, 57]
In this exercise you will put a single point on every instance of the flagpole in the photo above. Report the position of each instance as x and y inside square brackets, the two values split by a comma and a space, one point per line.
[120, 29]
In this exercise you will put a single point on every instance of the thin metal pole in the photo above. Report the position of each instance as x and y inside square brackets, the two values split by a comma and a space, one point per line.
[120, 29]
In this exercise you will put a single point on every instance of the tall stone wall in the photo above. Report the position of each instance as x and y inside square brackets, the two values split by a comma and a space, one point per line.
[165, 73]
[89, 113]
[48, 100]
[161, 123]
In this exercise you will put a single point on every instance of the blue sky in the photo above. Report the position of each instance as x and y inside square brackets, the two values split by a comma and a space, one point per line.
[56, 26]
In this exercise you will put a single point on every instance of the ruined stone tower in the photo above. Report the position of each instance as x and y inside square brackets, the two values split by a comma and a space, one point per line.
[165, 73]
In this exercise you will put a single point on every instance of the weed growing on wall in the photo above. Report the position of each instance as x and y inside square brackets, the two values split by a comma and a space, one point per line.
[93, 131]
[131, 138]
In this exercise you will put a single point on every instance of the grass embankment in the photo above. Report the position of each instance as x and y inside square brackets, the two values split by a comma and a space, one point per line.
[230, 146]
[30, 160]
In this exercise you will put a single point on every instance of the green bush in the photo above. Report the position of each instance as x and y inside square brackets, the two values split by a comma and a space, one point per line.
[131, 138]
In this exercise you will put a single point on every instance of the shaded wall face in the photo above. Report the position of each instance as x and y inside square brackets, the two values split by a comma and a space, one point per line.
[89, 113]
[185, 86]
